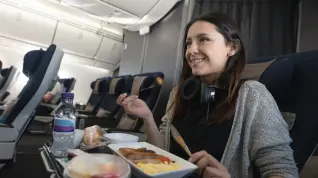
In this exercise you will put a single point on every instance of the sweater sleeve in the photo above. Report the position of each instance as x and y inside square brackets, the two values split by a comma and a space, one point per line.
[270, 140]
[167, 116]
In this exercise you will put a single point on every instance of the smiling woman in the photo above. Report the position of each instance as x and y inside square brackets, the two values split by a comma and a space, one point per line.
[207, 53]
[232, 127]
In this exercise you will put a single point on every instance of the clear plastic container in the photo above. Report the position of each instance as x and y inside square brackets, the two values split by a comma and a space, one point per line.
[93, 138]
[98, 166]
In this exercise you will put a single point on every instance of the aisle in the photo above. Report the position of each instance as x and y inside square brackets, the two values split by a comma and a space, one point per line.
[28, 160]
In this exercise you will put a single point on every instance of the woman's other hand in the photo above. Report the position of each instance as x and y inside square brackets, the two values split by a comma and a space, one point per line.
[134, 106]
[208, 166]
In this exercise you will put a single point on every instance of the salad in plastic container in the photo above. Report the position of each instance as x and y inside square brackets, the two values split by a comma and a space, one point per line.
[97, 166]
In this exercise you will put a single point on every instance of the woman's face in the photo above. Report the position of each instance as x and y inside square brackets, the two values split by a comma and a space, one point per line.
[207, 50]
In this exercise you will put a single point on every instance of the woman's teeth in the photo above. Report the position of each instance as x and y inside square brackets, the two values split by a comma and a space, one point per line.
[197, 60]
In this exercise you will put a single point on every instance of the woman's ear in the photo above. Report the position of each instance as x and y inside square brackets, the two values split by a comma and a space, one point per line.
[235, 47]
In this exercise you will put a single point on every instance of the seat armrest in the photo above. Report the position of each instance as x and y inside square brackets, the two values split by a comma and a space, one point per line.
[80, 106]
[85, 112]
[80, 115]
[52, 106]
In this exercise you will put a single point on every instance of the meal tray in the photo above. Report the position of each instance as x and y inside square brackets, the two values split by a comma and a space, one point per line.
[186, 168]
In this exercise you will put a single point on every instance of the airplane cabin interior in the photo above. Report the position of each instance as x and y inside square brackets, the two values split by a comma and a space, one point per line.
[90, 52]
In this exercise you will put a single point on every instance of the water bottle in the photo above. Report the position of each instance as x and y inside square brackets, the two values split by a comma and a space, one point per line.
[64, 126]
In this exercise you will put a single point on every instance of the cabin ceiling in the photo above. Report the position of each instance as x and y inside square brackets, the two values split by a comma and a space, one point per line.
[129, 14]
[90, 31]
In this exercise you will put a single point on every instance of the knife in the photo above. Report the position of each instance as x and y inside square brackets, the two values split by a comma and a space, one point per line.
[176, 135]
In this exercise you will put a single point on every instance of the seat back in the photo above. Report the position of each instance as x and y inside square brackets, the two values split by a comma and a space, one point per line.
[292, 80]
[41, 67]
[147, 87]
[109, 107]
[69, 84]
[99, 89]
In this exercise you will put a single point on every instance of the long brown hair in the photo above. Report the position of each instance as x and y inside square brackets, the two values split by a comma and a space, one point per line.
[224, 108]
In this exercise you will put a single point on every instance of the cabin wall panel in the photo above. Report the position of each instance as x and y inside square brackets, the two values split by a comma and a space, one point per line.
[131, 61]
[154, 52]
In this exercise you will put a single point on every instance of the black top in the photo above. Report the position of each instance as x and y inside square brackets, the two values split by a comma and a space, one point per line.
[199, 136]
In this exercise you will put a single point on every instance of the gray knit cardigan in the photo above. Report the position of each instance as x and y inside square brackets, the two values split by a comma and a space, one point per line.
[259, 142]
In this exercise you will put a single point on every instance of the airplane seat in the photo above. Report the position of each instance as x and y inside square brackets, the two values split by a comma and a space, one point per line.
[108, 109]
[292, 81]
[43, 118]
[147, 87]
[7, 76]
[99, 89]
[69, 84]
[41, 67]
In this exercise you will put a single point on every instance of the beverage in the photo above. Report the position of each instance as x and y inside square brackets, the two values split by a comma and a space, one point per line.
[64, 126]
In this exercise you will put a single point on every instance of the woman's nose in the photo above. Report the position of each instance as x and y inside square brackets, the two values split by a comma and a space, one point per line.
[193, 49]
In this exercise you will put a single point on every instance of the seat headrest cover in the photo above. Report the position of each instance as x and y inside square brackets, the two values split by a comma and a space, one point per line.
[141, 82]
[31, 62]
[96, 87]
[113, 85]
[255, 70]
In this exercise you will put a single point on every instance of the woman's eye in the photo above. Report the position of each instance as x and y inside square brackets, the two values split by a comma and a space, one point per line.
[188, 43]
[204, 39]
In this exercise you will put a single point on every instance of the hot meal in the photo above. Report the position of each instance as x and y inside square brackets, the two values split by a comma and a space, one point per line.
[148, 160]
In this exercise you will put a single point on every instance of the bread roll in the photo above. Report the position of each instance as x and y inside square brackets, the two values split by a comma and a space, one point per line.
[93, 136]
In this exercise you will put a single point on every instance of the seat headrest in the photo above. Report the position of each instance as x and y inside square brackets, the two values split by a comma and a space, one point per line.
[31, 62]
[142, 82]
[118, 86]
[68, 82]
[253, 71]
[93, 85]
[146, 80]
[100, 85]
[278, 78]
[154, 74]
[6, 72]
